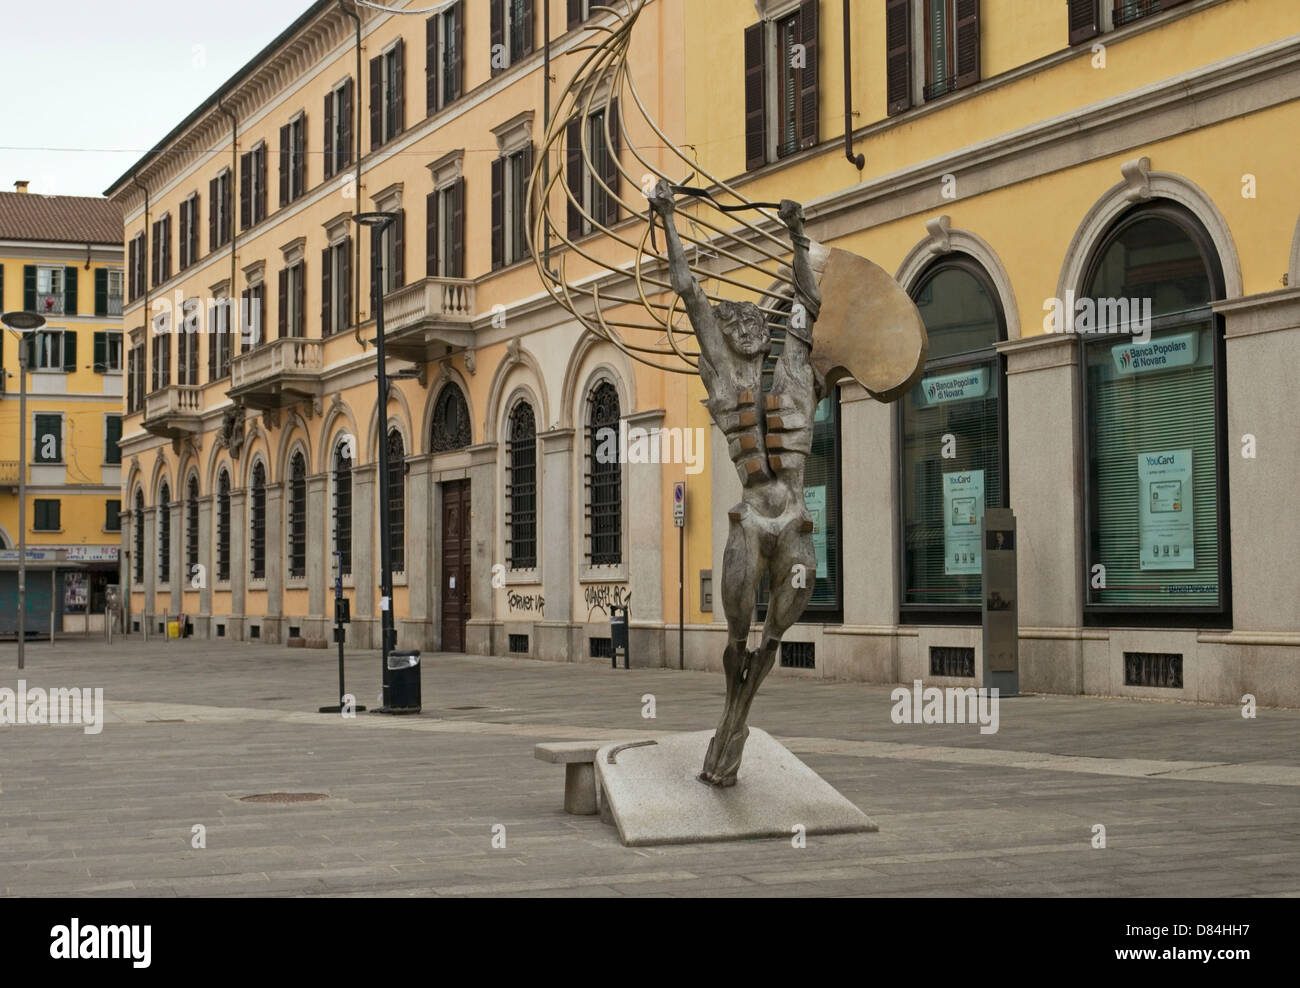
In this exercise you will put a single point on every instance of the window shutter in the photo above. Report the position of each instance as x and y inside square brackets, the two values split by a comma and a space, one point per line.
[29, 287]
[968, 42]
[399, 249]
[458, 55]
[101, 291]
[898, 56]
[530, 26]
[376, 103]
[261, 314]
[326, 302]
[345, 272]
[431, 66]
[574, 166]
[345, 127]
[1083, 20]
[29, 344]
[498, 33]
[528, 157]
[1167, 4]
[299, 327]
[245, 191]
[284, 165]
[457, 268]
[498, 212]
[99, 348]
[130, 270]
[612, 175]
[330, 152]
[69, 291]
[184, 241]
[575, 13]
[431, 235]
[300, 153]
[69, 350]
[399, 86]
[112, 433]
[213, 186]
[260, 205]
[282, 324]
[808, 88]
[755, 98]
[214, 340]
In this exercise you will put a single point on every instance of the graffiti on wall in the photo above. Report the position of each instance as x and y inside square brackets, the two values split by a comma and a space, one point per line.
[604, 597]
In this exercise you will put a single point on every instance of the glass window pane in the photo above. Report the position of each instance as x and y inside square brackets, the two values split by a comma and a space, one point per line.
[1153, 259]
[959, 314]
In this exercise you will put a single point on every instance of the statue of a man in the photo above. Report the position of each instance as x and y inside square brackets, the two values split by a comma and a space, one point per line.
[769, 437]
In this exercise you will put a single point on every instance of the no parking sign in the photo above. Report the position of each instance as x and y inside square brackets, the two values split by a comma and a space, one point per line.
[679, 503]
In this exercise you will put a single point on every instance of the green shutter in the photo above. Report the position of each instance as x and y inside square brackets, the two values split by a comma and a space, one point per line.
[101, 352]
[29, 342]
[69, 350]
[69, 291]
[112, 515]
[1147, 412]
[101, 291]
[47, 425]
[112, 433]
[29, 287]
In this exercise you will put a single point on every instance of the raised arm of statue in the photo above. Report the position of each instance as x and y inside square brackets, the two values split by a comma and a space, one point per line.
[805, 280]
[679, 269]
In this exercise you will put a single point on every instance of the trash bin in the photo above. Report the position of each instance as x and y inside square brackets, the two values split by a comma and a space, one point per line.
[618, 635]
[404, 682]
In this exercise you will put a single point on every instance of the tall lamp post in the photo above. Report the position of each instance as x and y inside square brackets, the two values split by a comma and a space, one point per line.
[378, 224]
[22, 323]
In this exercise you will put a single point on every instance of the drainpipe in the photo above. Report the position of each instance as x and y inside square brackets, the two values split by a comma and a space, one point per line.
[546, 120]
[359, 88]
[234, 227]
[859, 160]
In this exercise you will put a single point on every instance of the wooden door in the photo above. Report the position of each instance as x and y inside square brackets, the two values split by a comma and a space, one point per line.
[455, 564]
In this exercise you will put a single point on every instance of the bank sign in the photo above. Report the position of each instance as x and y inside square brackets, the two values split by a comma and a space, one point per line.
[955, 387]
[1165, 353]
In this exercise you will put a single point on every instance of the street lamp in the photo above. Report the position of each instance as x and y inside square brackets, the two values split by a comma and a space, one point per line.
[22, 323]
[378, 223]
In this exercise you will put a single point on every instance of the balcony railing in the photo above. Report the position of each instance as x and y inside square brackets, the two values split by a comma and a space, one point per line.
[278, 373]
[426, 314]
[174, 410]
[9, 472]
[50, 304]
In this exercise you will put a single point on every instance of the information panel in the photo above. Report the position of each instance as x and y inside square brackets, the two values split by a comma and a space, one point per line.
[1165, 510]
[963, 508]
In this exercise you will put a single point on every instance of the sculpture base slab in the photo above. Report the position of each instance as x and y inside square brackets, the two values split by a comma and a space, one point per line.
[655, 798]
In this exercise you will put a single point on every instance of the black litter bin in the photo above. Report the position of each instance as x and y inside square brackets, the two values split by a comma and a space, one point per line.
[404, 682]
[618, 635]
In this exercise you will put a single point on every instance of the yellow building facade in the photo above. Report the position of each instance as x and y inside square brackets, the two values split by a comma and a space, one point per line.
[1089, 202]
[61, 257]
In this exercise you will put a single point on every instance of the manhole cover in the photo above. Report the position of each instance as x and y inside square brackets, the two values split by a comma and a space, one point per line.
[283, 797]
[467, 708]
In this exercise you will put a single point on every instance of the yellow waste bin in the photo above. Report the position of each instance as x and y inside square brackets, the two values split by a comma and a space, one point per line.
[173, 629]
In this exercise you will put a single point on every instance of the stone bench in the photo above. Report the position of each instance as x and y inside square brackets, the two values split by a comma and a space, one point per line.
[578, 759]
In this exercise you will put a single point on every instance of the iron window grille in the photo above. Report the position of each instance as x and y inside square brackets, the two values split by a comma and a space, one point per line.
[164, 535]
[223, 527]
[521, 490]
[192, 526]
[397, 500]
[258, 525]
[604, 479]
[451, 428]
[298, 517]
[138, 535]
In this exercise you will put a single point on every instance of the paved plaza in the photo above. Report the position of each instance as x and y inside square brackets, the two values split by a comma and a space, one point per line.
[1194, 799]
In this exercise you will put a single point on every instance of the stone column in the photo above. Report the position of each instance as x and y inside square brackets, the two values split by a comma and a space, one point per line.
[271, 631]
[203, 620]
[868, 649]
[1045, 493]
[644, 496]
[364, 631]
[320, 562]
[482, 473]
[238, 563]
[414, 628]
[556, 636]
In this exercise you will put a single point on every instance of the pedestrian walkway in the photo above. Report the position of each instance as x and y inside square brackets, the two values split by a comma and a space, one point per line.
[1194, 799]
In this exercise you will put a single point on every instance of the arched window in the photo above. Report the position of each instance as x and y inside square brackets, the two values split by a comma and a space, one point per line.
[953, 441]
[223, 526]
[164, 534]
[604, 476]
[297, 516]
[137, 523]
[1154, 409]
[191, 526]
[521, 489]
[343, 504]
[257, 523]
[451, 428]
[397, 500]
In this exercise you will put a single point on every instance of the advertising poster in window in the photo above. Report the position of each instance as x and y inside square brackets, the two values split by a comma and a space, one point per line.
[74, 593]
[1165, 510]
[814, 499]
[963, 509]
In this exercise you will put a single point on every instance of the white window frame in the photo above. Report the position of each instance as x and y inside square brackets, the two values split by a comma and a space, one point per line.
[52, 280]
[54, 339]
[112, 340]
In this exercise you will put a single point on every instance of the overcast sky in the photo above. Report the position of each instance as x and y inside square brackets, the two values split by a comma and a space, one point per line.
[115, 76]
